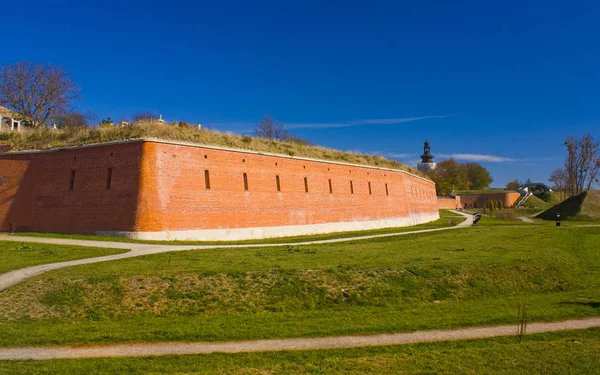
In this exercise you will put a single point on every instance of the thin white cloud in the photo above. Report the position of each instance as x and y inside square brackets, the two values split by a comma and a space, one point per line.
[382, 121]
[479, 157]
[237, 127]
[397, 156]
[248, 127]
[391, 155]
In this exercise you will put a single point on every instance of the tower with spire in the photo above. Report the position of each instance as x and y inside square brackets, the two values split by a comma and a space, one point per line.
[426, 164]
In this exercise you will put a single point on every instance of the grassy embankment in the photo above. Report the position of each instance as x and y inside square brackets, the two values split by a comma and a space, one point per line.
[581, 207]
[532, 207]
[46, 138]
[447, 219]
[15, 255]
[575, 352]
[467, 277]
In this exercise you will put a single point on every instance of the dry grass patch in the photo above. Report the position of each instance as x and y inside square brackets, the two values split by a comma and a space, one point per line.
[46, 138]
[267, 291]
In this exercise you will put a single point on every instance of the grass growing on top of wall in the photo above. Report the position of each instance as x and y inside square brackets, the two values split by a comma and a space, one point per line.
[447, 219]
[467, 277]
[47, 138]
[15, 255]
[484, 191]
[571, 352]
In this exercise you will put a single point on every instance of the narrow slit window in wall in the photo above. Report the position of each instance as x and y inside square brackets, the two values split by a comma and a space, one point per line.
[369, 188]
[305, 185]
[351, 188]
[72, 180]
[278, 183]
[245, 182]
[207, 179]
[386, 190]
[330, 187]
[108, 177]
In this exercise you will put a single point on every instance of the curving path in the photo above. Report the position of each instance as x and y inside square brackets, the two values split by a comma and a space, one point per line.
[526, 219]
[179, 348]
[138, 249]
[333, 342]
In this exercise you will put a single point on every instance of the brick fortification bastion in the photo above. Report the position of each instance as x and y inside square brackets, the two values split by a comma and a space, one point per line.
[162, 190]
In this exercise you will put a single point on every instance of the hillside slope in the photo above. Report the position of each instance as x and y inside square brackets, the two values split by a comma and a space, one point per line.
[585, 206]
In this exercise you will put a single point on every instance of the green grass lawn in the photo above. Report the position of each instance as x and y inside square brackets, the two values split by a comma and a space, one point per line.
[572, 352]
[15, 255]
[465, 277]
[447, 219]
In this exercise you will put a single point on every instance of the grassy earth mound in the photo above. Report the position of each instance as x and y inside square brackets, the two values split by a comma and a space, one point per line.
[46, 138]
[535, 202]
[466, 277]
[584, 206]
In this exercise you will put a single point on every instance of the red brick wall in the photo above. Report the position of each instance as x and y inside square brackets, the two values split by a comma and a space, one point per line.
[448, 203]
[174, 196]
[481, 200]
[161, 187]
[35, 195]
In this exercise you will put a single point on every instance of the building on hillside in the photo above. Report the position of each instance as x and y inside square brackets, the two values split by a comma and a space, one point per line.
[426, 165]
[9, 120]
[161, 190]
[484, 198]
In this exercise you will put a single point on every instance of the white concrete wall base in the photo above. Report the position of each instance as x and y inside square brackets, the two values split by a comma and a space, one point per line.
[235, 234]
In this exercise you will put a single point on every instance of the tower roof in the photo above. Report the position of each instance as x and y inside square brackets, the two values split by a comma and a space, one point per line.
[426, 157]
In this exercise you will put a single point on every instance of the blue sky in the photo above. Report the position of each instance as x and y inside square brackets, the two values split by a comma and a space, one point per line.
[500, 83]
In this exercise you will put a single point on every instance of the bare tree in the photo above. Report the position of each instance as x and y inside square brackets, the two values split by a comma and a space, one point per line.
[560, 179]
[72, 120]
[271, 129]
[144, 117]
[582, 164]
[37, 92]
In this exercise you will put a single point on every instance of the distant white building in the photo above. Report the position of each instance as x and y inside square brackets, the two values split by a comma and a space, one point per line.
[426, 164]
[9, 120]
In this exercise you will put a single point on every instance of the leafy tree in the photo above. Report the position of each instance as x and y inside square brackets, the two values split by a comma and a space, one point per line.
[39, 93]
[513, 185]
[478, 177]
[449, 176]
[106, 122]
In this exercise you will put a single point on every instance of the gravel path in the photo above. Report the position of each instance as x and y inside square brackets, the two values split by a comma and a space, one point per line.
[526, 219]
[138, 249]
[178, 348]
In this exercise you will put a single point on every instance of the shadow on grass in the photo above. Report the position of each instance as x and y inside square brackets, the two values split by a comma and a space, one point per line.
[595, 305]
